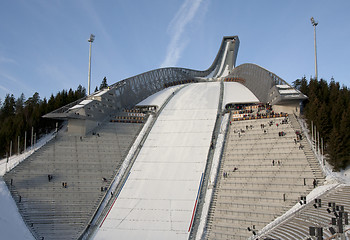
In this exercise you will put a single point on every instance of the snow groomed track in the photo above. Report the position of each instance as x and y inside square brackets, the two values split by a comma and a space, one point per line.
[159, 197]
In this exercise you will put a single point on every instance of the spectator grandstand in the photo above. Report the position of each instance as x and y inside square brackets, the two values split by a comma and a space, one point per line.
[262, 175]
[81, 170]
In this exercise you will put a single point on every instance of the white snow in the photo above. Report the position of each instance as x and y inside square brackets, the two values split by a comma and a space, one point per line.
[81, 104]
[124, 166]
[100, 93]
[288, 91]
[11, 223]
[226, 71]
[76, 107]
[159, 196]
[283, 86]
[14, 160]
[223, 60]
[84, 102]
[235, 92]
[211, 74]
[342, 176]
[159, 98]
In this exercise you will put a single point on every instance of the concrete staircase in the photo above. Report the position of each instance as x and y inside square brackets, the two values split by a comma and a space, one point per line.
[313, 162]
[87, 164]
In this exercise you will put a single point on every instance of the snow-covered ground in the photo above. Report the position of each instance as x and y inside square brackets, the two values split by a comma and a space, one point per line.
[11, 223]
[158, 199]
[159, 98]
[123, 168]
[220, 73]
[344, 174]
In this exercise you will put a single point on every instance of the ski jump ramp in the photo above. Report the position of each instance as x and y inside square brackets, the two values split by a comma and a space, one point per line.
[159, 197]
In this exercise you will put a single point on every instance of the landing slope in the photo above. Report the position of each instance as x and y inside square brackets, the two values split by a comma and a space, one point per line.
[158, 198]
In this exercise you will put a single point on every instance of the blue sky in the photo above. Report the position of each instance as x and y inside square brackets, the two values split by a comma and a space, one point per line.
[44, 48]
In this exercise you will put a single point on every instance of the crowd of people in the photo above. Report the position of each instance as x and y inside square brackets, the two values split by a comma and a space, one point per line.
[249, 111]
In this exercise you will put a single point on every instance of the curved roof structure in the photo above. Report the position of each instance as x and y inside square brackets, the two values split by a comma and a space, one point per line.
[263, 84]
[236, 93]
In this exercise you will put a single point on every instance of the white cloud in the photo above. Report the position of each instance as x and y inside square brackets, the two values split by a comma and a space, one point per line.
[176, 29]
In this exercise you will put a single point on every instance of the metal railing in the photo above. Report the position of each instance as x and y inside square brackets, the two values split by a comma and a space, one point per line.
[288, 215]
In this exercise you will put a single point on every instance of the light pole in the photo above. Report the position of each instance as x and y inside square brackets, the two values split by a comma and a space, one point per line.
[314, 23]
[90, 40]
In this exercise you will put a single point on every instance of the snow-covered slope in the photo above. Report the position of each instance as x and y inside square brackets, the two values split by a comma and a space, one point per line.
[159, 196]
[11, 223]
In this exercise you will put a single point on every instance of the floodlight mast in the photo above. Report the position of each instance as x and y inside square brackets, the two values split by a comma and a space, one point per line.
[90, 40]
[314, 23]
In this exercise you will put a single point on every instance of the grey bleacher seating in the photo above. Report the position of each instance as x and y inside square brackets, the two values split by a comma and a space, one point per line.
[271, 174]
[297, 225]
[53, 211]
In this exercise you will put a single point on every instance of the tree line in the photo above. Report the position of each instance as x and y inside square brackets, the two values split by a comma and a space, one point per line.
[328, 107]
[20, 115]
